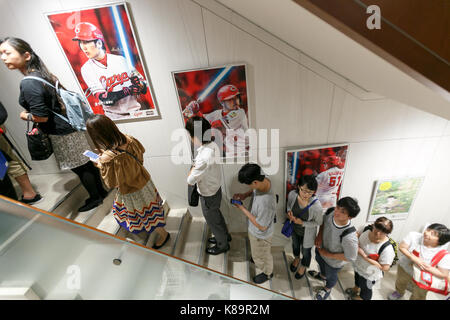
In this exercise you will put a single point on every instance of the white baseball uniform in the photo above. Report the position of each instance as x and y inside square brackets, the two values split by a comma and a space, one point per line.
[236, 125]
[328, 185]
[111, 78]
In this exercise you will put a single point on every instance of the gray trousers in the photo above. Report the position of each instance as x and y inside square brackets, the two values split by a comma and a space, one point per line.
[214, 218]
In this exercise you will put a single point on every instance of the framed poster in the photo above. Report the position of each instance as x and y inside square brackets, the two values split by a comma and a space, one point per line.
[393, 198]
[219, 94]
[326, 163]
[102, 51]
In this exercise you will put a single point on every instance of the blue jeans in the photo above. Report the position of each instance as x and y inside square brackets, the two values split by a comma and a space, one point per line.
[328, 271]
[297, 245]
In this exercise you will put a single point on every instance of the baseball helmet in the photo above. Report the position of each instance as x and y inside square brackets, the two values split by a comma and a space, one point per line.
[227, 92]
[86, 31]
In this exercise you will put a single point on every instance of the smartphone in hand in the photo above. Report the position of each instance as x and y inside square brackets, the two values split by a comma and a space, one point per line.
[233, 201]
[91, 155]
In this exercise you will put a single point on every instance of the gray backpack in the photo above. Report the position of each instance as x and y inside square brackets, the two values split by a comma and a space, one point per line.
[77, 110]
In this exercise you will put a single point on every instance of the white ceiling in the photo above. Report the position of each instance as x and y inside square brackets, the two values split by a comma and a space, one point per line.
[306, 32]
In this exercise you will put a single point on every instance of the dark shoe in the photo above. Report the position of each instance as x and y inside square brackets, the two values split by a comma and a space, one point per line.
[292, 268]
[316, 275]
[261, 278]
[214, 241]
[165, 241]
[36, 199]
[215, 251]
[299, 276]
[89, 205]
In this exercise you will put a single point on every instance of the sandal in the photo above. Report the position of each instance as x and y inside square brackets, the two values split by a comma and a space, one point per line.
[292, 267]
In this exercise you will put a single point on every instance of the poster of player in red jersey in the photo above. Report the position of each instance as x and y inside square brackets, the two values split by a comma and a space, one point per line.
[100, 46]
[327, 164]
[218, 94]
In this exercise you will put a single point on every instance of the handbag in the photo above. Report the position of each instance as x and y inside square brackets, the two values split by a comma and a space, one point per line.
[193, 195]
[3, 165]
[288, 226]
[39, 144]
[427, 281]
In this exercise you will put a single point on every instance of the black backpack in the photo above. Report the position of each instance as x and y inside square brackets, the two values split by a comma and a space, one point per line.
[389, 242]
[346, 231]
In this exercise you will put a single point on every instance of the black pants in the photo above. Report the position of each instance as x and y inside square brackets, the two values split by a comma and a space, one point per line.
[365, 286]
[91, 180]
[214, 218]
[297, 246]
[7, 188]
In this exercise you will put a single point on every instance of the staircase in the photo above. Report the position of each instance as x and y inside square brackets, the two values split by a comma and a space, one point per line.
[188, 241]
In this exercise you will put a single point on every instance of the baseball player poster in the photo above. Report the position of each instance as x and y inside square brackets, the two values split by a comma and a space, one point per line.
[100, 46]
[218, 94]
[393, 198]
[326, 163]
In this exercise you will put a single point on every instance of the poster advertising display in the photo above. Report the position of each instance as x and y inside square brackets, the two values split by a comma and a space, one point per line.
[218, 94]
[326, 163]
[101, 49]
[393, 198]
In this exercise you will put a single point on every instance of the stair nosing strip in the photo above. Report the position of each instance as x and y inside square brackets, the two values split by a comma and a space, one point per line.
[291, 285]
[202, 247]
[178, 234]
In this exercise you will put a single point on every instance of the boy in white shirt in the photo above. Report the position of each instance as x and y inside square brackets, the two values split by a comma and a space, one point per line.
[419, 249]
[375, 256]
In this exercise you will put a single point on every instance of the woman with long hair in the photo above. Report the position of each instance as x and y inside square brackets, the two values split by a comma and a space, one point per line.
[40, 101]
[137, 206]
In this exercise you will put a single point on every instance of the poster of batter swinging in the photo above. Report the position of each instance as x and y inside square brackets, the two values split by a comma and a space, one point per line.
[219, 95]
[327, 164]
[100, 46]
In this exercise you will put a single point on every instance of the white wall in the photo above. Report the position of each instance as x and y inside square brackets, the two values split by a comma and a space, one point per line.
[310, 104]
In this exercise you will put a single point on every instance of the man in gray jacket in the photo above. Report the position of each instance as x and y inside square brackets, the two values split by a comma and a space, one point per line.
[336, 244]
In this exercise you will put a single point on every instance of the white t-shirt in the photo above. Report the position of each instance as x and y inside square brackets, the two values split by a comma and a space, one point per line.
[207, 171]
[415, 242]
[364, 268]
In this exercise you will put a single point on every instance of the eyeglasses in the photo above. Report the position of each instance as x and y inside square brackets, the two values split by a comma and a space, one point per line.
[307, 191]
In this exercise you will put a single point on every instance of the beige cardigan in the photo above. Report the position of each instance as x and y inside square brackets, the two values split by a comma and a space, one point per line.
[122, 171]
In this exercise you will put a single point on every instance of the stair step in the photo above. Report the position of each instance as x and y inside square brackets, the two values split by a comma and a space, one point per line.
[301, 287]
[174, 225]
[191, 245]
[280, 281]
[237, 257]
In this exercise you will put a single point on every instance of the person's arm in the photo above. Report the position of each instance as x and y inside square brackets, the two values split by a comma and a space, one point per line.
[437, 271]
[242, 196]
[319, 238]
[25, 115]
[251, 217]
[328, 254]
[197, 171]
[404, 248]
[350, 246]
[382, 267]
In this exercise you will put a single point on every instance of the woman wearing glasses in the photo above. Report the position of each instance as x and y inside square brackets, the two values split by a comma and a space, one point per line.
[305, 211]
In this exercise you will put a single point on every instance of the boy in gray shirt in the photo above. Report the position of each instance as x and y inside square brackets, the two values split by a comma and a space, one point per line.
[260, 218]
[336, 243]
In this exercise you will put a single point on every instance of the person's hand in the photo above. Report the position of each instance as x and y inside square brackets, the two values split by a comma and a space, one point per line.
[191, 109]
[420, 263]
[239, 196]
[318, 242]
[290, 216]
[24, 115]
